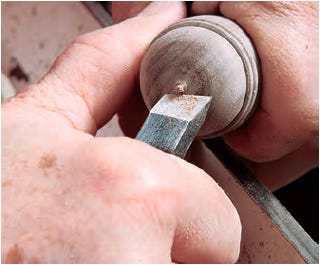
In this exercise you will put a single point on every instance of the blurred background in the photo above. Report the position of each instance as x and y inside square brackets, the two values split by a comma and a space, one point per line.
[35, 33]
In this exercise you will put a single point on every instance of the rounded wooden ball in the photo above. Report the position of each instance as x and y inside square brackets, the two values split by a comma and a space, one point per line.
[209, 56]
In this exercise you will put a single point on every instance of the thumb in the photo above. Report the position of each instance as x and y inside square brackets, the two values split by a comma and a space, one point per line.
[95, 75]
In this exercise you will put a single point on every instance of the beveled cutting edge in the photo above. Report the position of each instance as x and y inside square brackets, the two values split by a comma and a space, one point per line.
[174, 122]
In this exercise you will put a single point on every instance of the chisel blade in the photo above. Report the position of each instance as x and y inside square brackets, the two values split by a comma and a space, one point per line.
[174, 122]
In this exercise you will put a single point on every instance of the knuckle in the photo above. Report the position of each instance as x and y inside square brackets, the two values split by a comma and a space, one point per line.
[120, 176]
[105, 41]
[291, 8]
[141, 190]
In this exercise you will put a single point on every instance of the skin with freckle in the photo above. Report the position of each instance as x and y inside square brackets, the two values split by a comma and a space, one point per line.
[68, 197]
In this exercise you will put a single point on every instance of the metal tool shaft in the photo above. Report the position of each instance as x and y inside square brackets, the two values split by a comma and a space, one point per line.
[174, 122]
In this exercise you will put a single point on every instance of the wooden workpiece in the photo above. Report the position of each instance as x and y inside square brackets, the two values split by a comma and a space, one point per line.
[206, 56]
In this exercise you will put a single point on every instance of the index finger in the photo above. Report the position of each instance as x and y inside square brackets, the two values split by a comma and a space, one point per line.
[95, 75]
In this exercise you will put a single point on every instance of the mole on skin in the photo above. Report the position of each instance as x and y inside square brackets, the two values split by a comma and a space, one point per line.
[14, 255]
[46, 161]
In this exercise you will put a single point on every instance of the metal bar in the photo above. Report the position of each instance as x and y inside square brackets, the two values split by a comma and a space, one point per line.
[174, 122]
[289, 227]
[99, 12]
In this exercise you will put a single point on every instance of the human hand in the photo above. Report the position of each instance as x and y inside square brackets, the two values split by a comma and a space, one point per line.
[281, 139]
[68, 197]
[282, 136]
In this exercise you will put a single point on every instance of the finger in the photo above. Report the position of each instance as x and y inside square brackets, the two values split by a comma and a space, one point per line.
[124, 10]
[269, 134]
[134, 111]
[276, 174]
[288, 116]
[92, 79]
[204, 8]
[163, 201]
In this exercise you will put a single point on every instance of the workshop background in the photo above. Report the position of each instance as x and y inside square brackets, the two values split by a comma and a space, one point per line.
[34, 33]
